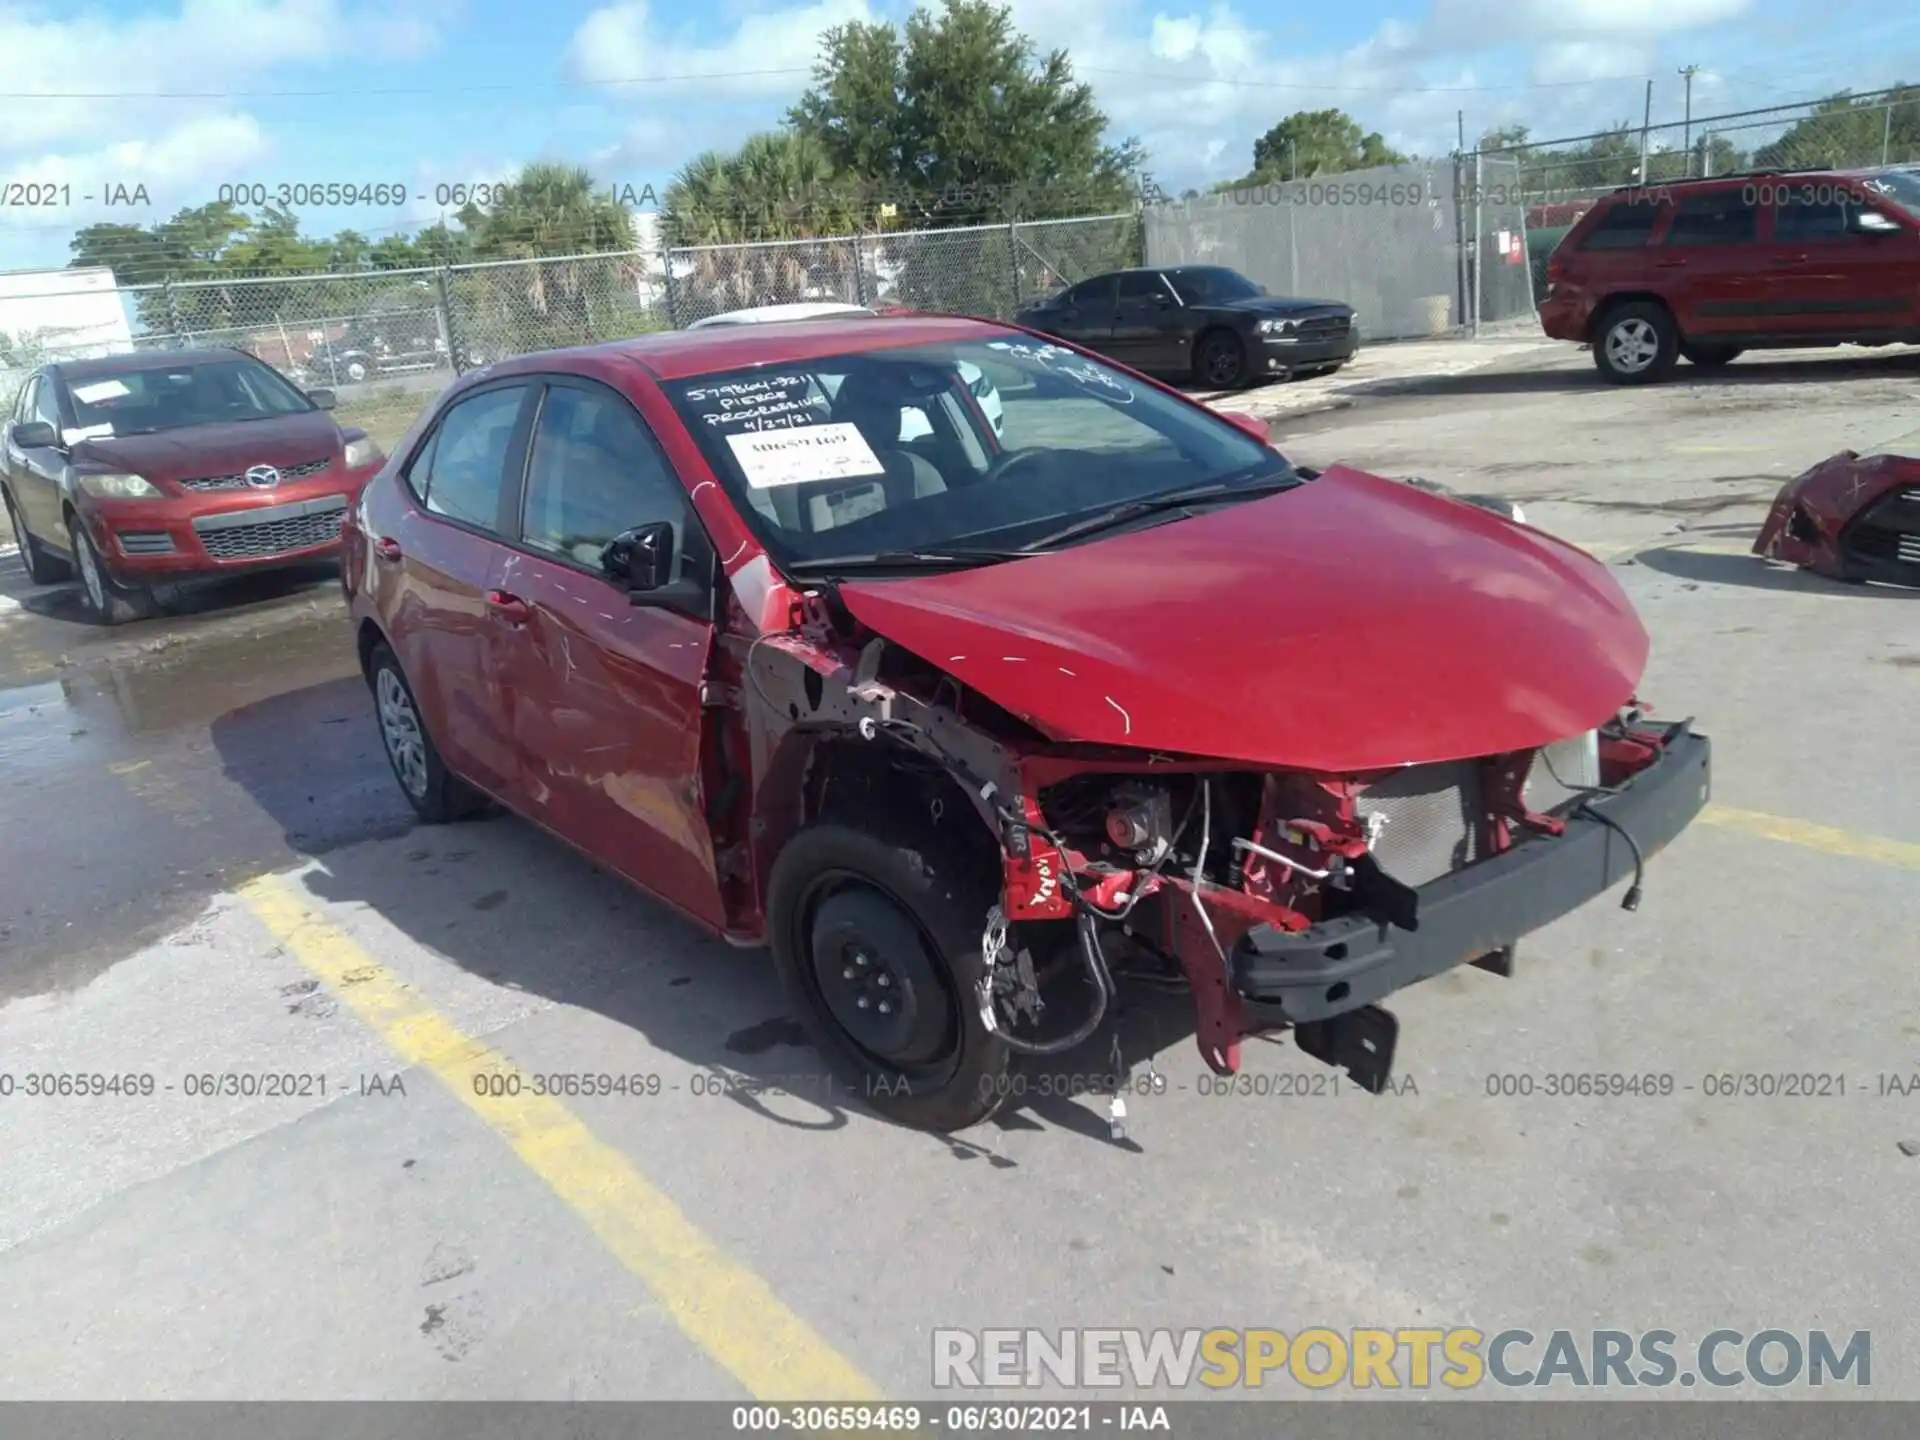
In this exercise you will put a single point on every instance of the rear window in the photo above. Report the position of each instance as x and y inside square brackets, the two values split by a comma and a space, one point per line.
[1623, 225]
[1724, 218]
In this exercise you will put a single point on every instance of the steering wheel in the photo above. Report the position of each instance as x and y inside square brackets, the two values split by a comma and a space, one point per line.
[1009, 461]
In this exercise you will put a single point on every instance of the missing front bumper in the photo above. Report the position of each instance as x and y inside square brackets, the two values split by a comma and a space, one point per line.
[1302, 977]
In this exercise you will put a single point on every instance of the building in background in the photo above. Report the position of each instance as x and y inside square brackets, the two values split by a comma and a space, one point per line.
[58, 315]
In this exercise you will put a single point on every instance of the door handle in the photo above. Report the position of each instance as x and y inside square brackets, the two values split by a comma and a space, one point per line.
[510, 608]
[386, 548]
[1669, 264]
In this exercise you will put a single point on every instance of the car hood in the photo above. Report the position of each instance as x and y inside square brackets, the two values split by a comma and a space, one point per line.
[1352, 624]
[1276, 305]
[202, 450]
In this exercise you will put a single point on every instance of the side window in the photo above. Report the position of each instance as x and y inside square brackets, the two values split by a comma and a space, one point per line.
[1723, 218]
[463, 470]
[22, 408]
[1625, 225]
[1092, 292]
[1139, 286]
[46, 404]
[1801, 219]
[595, 471]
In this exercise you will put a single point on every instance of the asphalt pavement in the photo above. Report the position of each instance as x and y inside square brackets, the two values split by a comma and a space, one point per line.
[209, 883]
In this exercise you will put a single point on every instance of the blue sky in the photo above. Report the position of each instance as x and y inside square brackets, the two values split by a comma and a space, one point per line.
[438, 92]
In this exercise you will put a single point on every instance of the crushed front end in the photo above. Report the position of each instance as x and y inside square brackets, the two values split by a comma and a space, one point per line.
[1277, 899]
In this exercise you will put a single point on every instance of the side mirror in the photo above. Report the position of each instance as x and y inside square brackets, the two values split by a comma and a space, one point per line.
[641, 558]
[35, 435]
[1252, 424]
[1162, 299]
[322, 399]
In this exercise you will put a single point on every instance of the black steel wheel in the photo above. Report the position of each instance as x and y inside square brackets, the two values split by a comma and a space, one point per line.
[878, 942]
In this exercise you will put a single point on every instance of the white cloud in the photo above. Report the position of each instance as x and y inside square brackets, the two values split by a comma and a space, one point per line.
[176, 167]
[206, 45]
[1563, 62]
[758, 59]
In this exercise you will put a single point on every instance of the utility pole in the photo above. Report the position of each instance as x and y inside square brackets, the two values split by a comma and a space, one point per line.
[1646, 124]
[1686, 143]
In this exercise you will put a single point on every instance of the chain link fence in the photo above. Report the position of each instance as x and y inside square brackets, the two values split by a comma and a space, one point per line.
[1418, 250]
[987, 270]
[385, 340]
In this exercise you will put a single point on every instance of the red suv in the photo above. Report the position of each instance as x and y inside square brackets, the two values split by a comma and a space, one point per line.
[1707, 269]
[771, 621]
[173, 465]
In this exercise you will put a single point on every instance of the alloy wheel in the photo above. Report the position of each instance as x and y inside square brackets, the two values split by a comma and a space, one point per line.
[1632, 346]
[90, 575]
[400, 729]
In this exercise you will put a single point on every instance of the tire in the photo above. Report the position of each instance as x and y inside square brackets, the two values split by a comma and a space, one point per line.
[1220, 360]
[108, 601]
[1711, 357]
[1636, 343]
[438, 796]
[857, 914]
[356, 371]
[43, 567]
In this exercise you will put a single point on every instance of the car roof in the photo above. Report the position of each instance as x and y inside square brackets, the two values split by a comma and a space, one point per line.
[678, 354]
[765, 314]
[143, 360]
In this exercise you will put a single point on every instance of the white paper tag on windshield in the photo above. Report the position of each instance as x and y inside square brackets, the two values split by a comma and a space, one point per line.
[804, 454]
[74, 434]
[100, 390]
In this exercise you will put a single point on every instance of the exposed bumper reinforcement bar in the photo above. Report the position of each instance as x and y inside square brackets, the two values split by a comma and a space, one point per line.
[1299, 977]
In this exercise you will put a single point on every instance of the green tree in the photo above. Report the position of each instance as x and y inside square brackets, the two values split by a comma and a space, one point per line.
[957, 119]
[1846, 130]
[548, 209]
[1315, 142]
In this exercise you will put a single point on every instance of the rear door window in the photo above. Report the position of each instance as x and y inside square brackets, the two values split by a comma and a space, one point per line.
[1722, 218]
[1822, 218]
[1624, 225]
[463, 471]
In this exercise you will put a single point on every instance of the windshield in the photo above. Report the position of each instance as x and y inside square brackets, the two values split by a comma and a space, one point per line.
[173, 397]
[1900, 186]
[985, 443]
[1210, 284]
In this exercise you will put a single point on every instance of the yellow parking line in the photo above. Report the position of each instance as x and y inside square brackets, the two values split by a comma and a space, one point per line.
[1897, 853]
[724, 1308]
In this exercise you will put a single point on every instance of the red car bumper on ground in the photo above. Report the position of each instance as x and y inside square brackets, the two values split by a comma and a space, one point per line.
[225, 526]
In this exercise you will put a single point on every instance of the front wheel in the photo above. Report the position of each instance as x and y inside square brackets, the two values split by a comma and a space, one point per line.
[877, 939]
[108, 601]
[1636, 343]
[1221, 361]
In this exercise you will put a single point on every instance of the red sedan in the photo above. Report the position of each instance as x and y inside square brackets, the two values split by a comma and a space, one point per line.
[173, 465]
[971, 729]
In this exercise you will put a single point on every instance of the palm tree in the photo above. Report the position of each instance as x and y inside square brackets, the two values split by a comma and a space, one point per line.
[778, 187]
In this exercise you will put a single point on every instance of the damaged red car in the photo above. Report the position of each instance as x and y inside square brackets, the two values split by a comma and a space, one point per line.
[971, 728]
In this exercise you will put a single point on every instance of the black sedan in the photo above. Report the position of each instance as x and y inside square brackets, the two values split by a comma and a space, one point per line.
[1202, 323]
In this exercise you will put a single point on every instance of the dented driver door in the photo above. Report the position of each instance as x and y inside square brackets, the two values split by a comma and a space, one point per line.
[604, 695]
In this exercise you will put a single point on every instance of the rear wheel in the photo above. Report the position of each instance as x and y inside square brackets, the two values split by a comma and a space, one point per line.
[108, 601]
[877, 938]
[437, 795]
[42, 565]
[1636, 343]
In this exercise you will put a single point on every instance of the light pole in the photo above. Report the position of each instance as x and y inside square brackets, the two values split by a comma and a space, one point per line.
[1686, 141]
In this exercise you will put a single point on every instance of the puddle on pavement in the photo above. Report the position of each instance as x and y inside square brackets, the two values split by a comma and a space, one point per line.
[90, 713]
